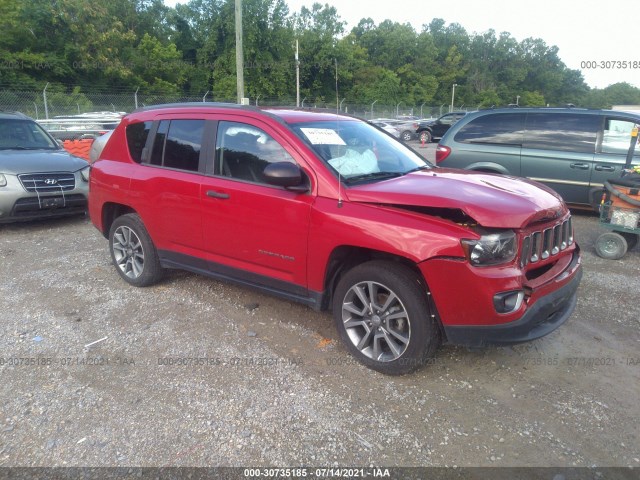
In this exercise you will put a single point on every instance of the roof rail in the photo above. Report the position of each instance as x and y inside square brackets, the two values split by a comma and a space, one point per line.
[195, 104]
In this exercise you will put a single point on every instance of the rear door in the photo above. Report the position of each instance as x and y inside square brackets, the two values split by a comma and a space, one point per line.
[168, 187]
[558, 150]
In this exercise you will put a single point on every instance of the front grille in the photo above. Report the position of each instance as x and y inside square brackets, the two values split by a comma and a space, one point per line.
[48, 182]
[49, 206]
[543, 244]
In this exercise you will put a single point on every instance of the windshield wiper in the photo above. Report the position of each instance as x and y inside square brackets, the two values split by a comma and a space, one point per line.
[421, 167]
[372, 176]
[18, 147]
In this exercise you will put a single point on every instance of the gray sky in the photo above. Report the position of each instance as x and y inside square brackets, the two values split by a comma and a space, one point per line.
[585, 30]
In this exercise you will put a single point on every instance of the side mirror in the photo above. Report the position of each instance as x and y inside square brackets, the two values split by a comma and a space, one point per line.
[285, 174]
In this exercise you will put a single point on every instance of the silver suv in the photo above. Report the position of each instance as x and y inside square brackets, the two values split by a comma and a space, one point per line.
[38, 178]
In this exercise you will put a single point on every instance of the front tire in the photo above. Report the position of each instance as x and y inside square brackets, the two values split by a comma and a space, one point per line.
[425, 136]
[133, 252]
[383, 317]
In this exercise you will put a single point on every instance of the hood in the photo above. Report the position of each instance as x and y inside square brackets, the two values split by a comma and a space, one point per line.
[494, 201]
[14, 162]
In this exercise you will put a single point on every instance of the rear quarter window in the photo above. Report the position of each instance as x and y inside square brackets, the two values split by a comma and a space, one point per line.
[501, 128]
[137, 134]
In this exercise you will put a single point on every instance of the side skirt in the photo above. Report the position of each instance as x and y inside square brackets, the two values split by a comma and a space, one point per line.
[278, 288]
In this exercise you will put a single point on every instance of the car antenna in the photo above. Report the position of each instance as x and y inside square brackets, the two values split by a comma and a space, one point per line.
[338, 122]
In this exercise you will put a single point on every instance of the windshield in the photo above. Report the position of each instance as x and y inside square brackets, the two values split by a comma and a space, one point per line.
[17, 134]
[357, 151]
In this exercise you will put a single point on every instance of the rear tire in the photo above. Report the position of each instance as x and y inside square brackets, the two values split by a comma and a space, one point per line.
[406, 136]
[611, 245]
[133, 252]
[382, 315]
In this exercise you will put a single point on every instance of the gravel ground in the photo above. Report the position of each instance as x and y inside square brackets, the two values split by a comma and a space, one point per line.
[194, 372]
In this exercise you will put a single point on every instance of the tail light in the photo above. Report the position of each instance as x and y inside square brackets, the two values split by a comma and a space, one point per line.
[442, 152]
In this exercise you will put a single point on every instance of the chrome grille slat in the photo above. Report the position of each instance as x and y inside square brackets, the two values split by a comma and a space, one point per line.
[546, 243]
[53, 182]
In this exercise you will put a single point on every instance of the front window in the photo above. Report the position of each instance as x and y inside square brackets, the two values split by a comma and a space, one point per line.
[244, 151]
[616, 138]
[358, 152]
[17, 134]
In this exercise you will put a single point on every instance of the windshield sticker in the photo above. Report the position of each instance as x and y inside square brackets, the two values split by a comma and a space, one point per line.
[323, 136]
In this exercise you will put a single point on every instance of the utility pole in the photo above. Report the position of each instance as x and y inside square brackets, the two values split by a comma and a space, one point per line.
[337, 97]
[239, 55]
[297, 76]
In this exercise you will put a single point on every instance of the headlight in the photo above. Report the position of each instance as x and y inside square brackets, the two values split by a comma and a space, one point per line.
[85, 173]
[3, 180]
[491, 249]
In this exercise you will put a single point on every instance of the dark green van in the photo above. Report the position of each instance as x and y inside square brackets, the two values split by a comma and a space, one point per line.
[571, 150]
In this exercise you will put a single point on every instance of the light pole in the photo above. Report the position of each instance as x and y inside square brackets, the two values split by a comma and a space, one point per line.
[453, 95]
[421, 109]
[398, 109]
[518, 100]
[374, 102]
[340, 108]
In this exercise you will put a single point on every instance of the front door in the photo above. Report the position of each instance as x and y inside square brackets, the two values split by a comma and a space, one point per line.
[253, 230]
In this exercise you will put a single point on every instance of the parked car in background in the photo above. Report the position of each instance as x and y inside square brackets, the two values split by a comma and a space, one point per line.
[38, 178]
[81, 126]
[331, 212]
[571, 150]
[405, 126]
[387, 127]
[430, 130]
[98, 145]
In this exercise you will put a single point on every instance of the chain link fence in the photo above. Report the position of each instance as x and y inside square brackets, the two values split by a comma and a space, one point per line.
[32, 103]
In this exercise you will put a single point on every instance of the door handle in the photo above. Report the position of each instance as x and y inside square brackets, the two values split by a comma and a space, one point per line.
[604, 168]
[581, 166]
[214, 194]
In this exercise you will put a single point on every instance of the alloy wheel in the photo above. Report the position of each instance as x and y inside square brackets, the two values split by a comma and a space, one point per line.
[376, 321]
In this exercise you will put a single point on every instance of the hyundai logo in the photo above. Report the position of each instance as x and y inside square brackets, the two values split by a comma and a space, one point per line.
[50, 181]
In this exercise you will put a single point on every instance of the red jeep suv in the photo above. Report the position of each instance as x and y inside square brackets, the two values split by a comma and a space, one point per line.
[332, 212]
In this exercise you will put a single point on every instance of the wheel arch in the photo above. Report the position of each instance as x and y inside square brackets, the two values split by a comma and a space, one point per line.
[488, 167]
[345, 257]
[111, 211]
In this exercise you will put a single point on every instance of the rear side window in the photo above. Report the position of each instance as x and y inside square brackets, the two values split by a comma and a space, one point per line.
[137, 134]
[501, 128]
[177, 144]
[562, 132]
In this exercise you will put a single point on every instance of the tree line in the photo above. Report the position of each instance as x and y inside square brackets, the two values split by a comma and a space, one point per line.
[124, 45]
